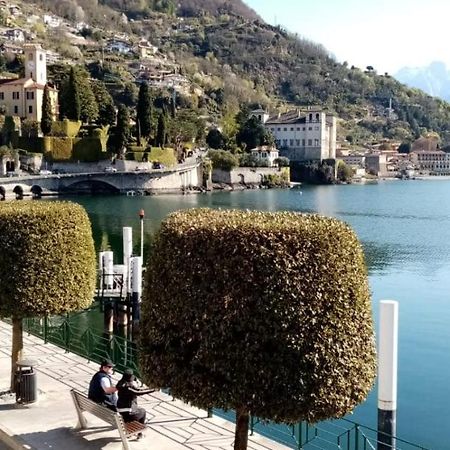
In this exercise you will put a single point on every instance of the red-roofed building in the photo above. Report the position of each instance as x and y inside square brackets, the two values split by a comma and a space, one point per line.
[23, 96]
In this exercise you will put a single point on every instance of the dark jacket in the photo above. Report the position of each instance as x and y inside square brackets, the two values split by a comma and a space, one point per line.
[97, 393]
[127, 395]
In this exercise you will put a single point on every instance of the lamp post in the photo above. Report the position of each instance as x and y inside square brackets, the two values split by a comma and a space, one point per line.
[141, 217]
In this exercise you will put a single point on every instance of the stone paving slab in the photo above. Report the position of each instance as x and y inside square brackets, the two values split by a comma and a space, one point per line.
[49, 423]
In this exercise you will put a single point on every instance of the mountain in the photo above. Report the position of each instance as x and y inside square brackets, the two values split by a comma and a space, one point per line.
[231, 57]
[433, 79]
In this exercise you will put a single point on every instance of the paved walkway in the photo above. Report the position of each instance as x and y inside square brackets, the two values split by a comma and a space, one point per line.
[48, 423]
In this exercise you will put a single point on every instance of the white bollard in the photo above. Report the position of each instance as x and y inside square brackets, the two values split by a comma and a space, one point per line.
[127, 251]
[387, 374]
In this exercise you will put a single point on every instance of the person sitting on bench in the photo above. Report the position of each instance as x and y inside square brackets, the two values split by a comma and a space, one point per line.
[101, 389]
[128, 392]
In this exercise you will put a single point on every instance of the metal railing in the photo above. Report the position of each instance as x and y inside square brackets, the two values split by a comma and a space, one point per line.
[339, 434]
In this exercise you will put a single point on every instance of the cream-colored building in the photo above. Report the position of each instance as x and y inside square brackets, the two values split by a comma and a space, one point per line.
[23, 97]
[302, 135]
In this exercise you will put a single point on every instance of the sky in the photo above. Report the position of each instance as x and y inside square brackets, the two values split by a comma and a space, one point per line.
[385, 34]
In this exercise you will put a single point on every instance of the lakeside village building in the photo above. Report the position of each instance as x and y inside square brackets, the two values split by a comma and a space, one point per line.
[302, 135]
[23, 97]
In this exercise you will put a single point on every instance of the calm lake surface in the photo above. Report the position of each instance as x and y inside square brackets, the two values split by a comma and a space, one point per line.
[405, 230]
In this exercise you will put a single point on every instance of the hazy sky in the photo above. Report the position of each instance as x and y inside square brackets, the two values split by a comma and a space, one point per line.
[385, 34]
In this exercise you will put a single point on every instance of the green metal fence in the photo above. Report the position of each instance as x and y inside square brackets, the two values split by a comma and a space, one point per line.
[339, 434]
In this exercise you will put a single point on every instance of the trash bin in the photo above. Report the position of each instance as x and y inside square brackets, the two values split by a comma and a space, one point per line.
[25, 382]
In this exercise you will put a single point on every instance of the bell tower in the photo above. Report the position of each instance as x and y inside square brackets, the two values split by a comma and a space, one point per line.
[35, 63]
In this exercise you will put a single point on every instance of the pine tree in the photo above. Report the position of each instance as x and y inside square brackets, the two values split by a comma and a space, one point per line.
[161, 132]
[122, 134]
[144, 111]
[47, 114]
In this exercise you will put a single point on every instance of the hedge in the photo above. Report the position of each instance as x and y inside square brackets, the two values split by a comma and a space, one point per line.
[269, 312]
[66, 128]
[47, 262]
[89, 149]
[58, 148]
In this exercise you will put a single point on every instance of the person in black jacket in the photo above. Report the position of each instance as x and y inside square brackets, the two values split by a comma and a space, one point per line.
[101, 389]
[128, 391]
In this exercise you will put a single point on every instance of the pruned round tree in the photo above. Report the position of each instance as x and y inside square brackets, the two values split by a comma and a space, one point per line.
[265, 313]
[47, 263]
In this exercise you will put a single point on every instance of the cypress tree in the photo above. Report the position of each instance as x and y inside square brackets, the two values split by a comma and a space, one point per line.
[161, 132]
[122, 128]
[144, 111]
[47, 115]
[72, 107]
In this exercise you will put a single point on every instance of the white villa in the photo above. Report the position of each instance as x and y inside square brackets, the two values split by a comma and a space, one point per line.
[302, 135]
[265, 153]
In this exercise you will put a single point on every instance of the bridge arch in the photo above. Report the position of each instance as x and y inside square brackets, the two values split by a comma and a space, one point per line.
[91, 187]
[18, 190]
[36, 191]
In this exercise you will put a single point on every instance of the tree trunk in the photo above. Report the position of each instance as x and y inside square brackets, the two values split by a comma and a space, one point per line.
[17, 347]
[241, 432]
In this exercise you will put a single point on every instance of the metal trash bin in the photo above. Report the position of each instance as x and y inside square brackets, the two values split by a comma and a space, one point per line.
[25, 382]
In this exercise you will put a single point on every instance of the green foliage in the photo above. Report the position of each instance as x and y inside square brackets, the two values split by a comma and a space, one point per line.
[66, 128]
[215, 139]
[223, 160]
[77, 100]
[266, 311]
[47, 259]
[8, 130]
[248, 160]
[282, 161]
[161, 134]
[253, 134]
[89, 149]
[29, 128]
[106, 108]
[165, 156]
[70, 102]
[186, 127]
[47, 113]
[144, 111]
[277, 180]
[404, 147]
[344, 171]
[58, 148]
[122, 133]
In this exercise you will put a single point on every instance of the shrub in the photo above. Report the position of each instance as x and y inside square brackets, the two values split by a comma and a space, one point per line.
[282, 161]
[223, 160]
[47, 262]
[266, 313]
[248, 160]
[89, 149]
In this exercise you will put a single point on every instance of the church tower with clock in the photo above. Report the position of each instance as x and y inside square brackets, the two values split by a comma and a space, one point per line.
[36, 64]
[24, 97]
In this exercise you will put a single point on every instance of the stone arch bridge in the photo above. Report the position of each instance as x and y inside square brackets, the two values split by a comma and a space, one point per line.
[178, 179]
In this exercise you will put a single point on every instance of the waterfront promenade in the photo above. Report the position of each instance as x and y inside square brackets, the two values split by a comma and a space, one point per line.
[49, 423]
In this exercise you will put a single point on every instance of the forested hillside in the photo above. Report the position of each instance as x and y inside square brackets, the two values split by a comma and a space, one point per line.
[234, 58]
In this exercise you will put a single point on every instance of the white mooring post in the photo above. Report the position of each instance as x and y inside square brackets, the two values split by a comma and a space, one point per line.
[107, 267]
[127, 251]
[136, 287]
[387, 375]
[141, 219]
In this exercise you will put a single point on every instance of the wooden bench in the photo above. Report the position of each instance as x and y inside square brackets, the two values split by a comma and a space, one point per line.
[126, 429]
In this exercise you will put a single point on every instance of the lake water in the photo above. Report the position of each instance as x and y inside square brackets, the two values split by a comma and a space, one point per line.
[405, 230]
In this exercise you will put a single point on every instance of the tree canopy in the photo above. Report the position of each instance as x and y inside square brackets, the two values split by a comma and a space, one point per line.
[279, 326]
